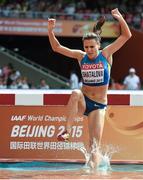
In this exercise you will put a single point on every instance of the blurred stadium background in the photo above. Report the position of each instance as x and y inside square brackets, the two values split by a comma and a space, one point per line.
[26, 56]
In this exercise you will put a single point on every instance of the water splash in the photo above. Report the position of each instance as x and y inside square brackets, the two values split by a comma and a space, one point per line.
[86, 154]
[104, 153]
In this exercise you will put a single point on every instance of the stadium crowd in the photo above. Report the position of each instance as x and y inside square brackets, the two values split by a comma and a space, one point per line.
[72, 9]
[11, 78]
[64, 10]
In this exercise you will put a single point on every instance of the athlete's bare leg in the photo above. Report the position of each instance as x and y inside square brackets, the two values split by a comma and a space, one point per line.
[76, 106]
[96, 124]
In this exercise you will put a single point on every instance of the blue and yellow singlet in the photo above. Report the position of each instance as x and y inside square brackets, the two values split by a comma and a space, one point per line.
[95, 72]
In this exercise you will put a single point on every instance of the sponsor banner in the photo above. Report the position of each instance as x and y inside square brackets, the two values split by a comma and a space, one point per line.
[30, 132]
[38, 27]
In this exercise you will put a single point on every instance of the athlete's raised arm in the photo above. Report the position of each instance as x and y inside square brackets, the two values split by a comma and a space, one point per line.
[57, 47]
[124, 36]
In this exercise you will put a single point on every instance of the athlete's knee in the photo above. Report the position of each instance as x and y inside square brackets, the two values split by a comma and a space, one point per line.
[75, 95]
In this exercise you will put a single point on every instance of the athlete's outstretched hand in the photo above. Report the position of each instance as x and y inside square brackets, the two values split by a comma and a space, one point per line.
[116, 14]
[51, 24]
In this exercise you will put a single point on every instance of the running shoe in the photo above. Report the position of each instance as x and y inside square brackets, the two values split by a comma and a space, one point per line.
[64, 136]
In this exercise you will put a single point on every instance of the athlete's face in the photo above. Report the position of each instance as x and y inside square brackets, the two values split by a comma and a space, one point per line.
[91, 47]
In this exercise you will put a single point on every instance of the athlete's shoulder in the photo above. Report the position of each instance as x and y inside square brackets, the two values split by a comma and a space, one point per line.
[82, 55]
[104, 54]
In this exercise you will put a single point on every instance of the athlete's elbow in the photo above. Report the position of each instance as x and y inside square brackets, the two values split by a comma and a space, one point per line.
[54, 49]
[57, 48]
[129, 35]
